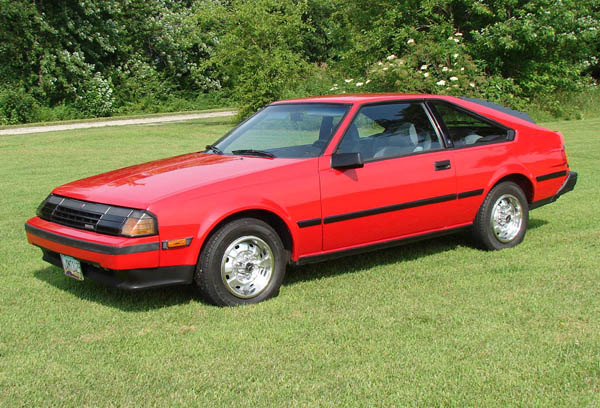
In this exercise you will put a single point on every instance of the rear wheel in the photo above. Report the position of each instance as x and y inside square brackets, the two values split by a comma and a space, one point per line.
[503, 217]
[243, 262]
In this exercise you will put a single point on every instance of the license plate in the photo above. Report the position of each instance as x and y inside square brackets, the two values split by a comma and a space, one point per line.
[72, 267]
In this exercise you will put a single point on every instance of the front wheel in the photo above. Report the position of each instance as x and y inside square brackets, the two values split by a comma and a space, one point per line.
[242, 262]
[503, 217]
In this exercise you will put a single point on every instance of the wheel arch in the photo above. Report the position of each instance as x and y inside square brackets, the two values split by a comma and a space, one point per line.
[522, 181]
[269, 217]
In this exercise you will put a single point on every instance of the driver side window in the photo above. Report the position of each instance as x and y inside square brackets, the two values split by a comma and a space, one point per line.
[390, 130]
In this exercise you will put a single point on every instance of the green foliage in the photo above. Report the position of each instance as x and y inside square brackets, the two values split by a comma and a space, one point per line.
[107, 56]
[17, 106]
[543, 43]
[260, 52]
[97, 97]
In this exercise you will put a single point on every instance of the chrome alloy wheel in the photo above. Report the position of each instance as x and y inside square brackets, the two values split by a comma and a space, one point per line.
[507, 216]
[247, 266]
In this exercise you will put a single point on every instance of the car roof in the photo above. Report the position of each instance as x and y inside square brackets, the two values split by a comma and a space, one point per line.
[361, 98]
[478, 105]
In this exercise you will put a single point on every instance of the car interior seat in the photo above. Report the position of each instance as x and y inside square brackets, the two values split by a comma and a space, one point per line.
[403, 140]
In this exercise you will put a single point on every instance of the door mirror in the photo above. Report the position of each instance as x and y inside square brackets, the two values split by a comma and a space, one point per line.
[341, 161]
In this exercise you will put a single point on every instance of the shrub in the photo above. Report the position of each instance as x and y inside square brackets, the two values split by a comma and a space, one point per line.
[17, 106]
[97, 97]
[430, 65]
[260, 52]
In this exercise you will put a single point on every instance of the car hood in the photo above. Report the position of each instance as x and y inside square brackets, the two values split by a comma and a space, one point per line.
[143, 184]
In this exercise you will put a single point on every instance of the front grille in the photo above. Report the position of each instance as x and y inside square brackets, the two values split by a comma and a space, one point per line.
[102, 218]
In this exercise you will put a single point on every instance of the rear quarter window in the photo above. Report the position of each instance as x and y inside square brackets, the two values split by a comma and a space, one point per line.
[467, 129]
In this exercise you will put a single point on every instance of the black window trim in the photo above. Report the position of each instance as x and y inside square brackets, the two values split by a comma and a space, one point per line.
[430, 116]
[440, 122]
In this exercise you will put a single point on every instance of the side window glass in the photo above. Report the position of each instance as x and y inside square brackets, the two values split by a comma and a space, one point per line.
[389, 130]
[465, 129]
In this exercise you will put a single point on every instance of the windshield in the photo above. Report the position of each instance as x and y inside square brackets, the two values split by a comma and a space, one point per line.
[287, 130]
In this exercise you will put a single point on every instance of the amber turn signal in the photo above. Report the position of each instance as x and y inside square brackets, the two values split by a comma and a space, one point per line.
[175, 243]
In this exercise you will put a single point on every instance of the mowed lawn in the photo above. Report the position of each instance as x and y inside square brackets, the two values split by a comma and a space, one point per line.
[438, 323]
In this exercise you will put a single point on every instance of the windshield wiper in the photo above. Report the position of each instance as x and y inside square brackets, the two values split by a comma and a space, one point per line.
[214, 149]
[252, 152]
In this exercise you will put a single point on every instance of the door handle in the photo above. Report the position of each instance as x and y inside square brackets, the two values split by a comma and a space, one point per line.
[442, 165]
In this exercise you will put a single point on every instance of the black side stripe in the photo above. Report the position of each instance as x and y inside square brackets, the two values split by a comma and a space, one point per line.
[472, 193]
[309, 223]
[551, 176]
[388, 208]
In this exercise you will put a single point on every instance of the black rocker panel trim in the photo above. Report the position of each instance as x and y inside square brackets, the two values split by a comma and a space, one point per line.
[91, 246]
[379, 245]
[551, 176]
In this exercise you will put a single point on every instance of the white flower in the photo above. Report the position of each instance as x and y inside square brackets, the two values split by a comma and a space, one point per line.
[450, 38]
[367, 81]
[472, 84]
[445, 69]
[390, 57]
[456, 40]
[455, 55]
[462, 68]
[385, 68]
[458, 34]
[423, 66]
[410, 41]
[426, 74]
[332, 89]
[348, 80]
[441, 83]
[453, 79]
[380, 63]
[359, 83]
[335, 85]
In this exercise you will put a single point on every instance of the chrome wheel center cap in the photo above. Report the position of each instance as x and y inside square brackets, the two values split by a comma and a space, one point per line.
[247, 266]
[507, 216]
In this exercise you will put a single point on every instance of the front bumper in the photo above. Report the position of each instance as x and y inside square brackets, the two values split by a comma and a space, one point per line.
[130, 279]
[126, 263]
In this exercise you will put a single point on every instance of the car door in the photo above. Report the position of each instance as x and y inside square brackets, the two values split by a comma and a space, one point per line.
[480, 147]
[406, 186]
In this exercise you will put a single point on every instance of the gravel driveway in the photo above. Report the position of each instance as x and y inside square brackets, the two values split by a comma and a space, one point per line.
[117, 122]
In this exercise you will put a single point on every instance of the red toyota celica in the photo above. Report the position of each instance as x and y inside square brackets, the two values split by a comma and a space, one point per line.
[301, 181]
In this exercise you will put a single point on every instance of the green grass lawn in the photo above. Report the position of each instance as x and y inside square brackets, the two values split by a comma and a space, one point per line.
[438, 323]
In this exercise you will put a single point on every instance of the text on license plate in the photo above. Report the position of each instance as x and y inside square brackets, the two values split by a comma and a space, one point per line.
[72, 267]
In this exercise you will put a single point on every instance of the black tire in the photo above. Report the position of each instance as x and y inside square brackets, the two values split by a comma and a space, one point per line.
[241, 277]
[504, 195]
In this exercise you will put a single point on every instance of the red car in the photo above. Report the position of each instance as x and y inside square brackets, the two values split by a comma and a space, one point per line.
[301, 181]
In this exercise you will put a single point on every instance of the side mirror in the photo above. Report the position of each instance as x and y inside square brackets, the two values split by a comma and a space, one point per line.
[342, 161]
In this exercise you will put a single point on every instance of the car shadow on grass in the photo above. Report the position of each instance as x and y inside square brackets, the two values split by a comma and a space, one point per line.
[129, 301]
[151, 299]
[383, 257]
